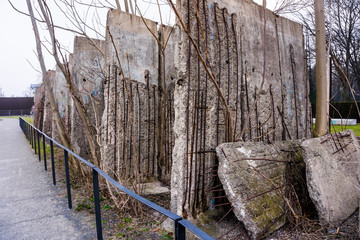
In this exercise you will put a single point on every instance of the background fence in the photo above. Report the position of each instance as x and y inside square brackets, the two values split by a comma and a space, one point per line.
[16, 106]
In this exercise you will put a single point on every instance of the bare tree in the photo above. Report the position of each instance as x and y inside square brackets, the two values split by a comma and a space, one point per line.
[285, 7]
[54, 107]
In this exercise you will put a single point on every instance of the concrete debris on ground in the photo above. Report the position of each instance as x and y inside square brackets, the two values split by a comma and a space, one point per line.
[332, 172]
[254, 179]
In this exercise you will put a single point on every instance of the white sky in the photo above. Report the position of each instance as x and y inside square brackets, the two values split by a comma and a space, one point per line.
[17, 44]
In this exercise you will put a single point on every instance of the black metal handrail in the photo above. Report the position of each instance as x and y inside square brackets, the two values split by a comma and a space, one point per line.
[33, 135]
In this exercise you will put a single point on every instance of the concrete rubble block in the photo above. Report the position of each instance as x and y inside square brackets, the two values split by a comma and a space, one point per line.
[254, 179]
[332, 173]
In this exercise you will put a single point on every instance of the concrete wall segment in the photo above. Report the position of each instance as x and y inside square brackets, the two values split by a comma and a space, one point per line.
[270, 109]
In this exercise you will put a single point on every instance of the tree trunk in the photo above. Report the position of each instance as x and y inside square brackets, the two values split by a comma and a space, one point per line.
[321, 83]
[54, 107]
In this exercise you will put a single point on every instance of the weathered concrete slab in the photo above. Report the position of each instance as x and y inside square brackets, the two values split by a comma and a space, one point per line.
[134, 43]
[156, 187]
[260, 73]
[333, 173]
[87, 67]
[254, 179]
[133, 119]
[63, 100]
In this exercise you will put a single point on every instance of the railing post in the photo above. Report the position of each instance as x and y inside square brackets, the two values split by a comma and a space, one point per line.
[52, 162]
[180, 231]
[38, 139]
[67, 173]
[44, 152]
[34, 140]
[97, 204]
[30, 137]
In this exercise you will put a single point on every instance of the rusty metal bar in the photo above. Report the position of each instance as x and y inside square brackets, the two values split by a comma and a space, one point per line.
[227, 213]
[261, 159]
[205, 104]
[154, 134]
[147, 78]
[263, 193]
[187, 107]
[226, 120]
[237, 71]
[342, 148]
[219, 74]
[222, 204]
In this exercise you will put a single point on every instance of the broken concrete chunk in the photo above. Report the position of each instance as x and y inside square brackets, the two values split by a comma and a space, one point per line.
[253, 177]
[332, 172]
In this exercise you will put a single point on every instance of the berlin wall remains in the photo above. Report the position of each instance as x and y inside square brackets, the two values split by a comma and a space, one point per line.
[261, 75]
[266, 105]
[63, 100]
[87, 67]
[133, 115]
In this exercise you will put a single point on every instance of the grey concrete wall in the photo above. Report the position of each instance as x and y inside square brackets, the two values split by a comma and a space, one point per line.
[132, 122]
[265, 109]
[136, 46]
[87, 67]
[63, 100]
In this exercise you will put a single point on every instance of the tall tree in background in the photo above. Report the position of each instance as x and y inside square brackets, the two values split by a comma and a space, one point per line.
[321, 84]
[345, 43]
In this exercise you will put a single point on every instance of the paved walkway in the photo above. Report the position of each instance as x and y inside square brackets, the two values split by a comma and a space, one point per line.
[30, 206]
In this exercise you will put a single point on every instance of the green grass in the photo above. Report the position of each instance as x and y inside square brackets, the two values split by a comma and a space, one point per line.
[339, 128]
[355, 128]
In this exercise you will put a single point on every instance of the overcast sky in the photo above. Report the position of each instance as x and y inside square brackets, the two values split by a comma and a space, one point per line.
[17, 45]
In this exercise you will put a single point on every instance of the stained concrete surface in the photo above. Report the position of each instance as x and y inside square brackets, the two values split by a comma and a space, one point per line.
[30, 206]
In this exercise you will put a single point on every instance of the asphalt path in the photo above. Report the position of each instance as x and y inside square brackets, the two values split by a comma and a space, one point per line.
[30, 206]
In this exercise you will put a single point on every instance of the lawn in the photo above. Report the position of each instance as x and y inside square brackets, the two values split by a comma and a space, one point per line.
[28, 119]
[338, 128]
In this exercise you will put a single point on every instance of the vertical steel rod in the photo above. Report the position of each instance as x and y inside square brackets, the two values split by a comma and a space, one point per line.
[67, 178]
[97, 204]
[180, 231]
[34, 140]
[38, 144]
[52, 162]
[44, 153]
[31, 136]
